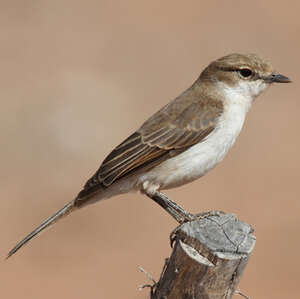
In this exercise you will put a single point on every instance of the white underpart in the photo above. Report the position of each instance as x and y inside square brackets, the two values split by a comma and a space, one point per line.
[200, 158]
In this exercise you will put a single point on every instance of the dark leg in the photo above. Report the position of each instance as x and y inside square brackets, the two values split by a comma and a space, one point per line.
[176, 211]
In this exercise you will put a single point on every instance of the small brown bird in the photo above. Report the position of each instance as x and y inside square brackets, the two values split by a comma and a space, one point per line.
[182, 141]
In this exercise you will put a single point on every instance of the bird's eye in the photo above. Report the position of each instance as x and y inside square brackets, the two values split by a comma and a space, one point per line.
[245, 72]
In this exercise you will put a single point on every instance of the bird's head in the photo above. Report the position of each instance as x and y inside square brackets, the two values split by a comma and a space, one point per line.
[247, 74]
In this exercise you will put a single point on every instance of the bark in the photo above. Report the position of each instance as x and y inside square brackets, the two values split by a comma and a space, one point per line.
[208, 259]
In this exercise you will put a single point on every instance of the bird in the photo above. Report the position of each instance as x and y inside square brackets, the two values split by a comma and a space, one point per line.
[182, 141]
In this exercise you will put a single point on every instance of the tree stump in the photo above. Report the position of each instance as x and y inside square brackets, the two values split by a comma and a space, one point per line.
[208, 259]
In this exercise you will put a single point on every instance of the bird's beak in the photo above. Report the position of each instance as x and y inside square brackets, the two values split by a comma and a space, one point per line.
[277, 78]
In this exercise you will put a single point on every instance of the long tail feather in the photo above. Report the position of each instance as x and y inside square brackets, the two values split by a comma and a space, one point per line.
[58, 215]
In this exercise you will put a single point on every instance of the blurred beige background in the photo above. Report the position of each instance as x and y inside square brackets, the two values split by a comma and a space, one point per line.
[76, 78]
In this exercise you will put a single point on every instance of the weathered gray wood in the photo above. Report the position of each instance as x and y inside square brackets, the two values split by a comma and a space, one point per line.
[208, 259]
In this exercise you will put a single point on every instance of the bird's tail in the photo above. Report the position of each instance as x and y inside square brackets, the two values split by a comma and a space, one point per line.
[58, 215]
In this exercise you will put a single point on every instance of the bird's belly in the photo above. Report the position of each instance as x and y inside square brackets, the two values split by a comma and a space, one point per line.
[186, 167]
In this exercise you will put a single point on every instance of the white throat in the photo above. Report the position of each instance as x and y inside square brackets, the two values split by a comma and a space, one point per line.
[243, 93]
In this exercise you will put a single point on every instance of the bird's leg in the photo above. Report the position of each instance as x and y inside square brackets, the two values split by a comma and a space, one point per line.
[176, 211]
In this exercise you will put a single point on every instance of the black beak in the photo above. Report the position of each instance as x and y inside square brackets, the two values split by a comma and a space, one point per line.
[278, 78]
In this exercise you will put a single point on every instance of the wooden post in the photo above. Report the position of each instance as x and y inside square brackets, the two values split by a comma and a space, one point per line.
[208, 259]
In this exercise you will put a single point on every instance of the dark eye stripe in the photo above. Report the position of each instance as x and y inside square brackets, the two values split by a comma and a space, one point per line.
[228, 69]
[255, 75]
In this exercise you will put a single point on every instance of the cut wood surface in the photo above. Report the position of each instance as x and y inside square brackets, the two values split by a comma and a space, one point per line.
[208, 259]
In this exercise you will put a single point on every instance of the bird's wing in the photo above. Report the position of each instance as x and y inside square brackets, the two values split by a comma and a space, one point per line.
[165, 134]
